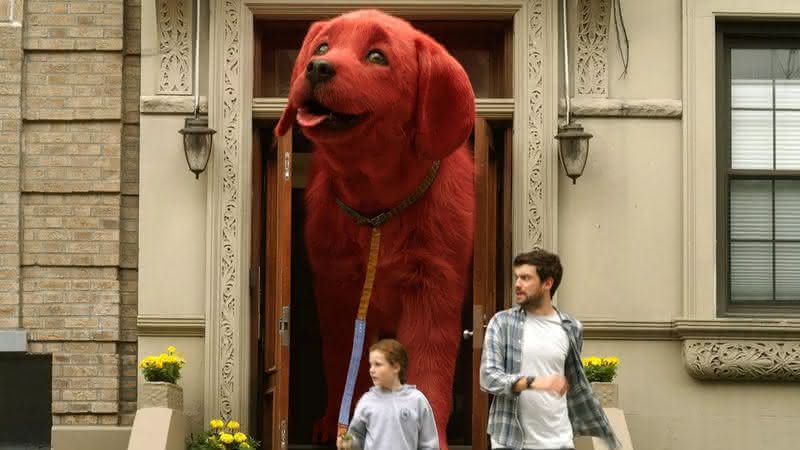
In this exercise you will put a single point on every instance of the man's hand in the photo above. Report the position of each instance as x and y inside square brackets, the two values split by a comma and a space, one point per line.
[553, 383]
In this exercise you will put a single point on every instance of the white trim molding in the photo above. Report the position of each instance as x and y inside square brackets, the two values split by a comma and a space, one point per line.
[728, 349]
[231, 109]
[699, 140]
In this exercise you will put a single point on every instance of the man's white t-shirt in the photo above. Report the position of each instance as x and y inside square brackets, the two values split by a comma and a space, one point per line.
[543, 414]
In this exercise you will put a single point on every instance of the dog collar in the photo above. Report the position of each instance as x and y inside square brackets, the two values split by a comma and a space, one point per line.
[381, 218]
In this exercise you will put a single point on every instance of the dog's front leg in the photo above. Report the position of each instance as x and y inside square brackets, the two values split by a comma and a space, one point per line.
[337, 312]
[430, 328]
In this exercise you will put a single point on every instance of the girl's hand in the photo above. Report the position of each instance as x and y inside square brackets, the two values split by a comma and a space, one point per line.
[344, 442]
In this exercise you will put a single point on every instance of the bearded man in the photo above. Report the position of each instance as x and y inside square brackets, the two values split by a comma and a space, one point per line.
[531, 359]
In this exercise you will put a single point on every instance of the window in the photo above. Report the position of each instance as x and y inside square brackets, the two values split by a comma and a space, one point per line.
[758, 178]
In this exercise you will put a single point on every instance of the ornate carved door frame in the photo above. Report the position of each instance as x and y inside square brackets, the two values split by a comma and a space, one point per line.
[534, 168]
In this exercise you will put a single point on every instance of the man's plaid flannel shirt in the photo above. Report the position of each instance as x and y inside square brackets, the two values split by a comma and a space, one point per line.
[500, 369]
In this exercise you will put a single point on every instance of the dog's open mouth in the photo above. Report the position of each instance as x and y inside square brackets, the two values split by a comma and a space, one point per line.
[314, 114]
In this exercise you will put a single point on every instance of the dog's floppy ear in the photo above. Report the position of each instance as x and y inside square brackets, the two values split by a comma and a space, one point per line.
[290, 112]
[445, 101]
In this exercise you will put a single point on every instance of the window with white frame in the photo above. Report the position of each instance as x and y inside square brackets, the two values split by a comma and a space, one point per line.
[758, 160]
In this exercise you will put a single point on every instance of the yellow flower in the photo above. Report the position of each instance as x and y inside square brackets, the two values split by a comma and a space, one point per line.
[613, 360]
[240, 437]
[226, 438]
[244, 445]
[171, 349]
[233, 425]
[216, 423]
[594, 361]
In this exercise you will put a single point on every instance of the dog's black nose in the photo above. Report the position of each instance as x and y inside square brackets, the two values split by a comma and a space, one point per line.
[319, 70]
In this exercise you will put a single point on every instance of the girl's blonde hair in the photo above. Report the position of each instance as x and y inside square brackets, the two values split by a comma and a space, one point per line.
[395, 353]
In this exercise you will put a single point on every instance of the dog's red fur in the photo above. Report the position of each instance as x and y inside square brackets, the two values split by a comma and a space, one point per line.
[416, 109]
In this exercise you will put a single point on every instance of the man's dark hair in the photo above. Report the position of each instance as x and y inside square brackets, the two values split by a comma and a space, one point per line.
[548, 265]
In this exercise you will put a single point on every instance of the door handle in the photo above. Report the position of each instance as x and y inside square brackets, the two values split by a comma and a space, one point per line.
[467, 334]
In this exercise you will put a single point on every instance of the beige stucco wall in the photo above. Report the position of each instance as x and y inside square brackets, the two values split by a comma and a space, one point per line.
[621, 238]
[620, 234]
[620, 225]
[172, 254]
[667, 409]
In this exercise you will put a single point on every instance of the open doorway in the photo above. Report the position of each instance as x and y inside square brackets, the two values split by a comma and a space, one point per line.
[279, 178]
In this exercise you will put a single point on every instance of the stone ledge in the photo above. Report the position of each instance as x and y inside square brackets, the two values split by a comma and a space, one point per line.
[170, 326]
[170, 104]
[13, 340]
[682, 329]
[717, 350]
[620, 107]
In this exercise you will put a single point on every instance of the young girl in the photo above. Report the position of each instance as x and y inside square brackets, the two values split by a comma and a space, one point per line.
[392, 414]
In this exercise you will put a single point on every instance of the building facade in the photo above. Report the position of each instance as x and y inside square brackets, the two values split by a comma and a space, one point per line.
[679, 240]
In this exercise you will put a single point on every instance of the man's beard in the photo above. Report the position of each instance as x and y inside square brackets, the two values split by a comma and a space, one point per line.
[533, 301]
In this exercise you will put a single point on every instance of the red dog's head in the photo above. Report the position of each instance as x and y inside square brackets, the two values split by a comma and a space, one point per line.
[367, 81]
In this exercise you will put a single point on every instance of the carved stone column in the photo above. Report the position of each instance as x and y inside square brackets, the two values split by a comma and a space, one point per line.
[175, 26]
[591, 53]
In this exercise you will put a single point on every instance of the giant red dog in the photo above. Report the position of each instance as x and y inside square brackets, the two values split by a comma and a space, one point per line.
[382, 103]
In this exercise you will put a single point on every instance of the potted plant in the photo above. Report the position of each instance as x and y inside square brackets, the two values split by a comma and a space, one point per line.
[601, 372]
[161, 374]
[221, 436]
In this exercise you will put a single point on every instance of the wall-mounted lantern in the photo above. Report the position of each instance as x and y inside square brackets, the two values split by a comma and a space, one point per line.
[197, 136]
[573, 142]
[197, 142]
[573, 148]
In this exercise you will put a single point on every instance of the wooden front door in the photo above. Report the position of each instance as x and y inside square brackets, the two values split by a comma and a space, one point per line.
[491, 254]
[271, 292]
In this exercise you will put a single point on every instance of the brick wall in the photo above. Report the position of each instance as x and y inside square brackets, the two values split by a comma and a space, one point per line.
[73, 86]
[11, 56]
[71, 156]
[69, 198]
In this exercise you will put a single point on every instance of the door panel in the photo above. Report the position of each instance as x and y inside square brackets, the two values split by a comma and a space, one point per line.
[277, 299]
[483, 272]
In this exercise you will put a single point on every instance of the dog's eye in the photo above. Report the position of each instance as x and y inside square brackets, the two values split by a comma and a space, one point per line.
[377, 57]
[321, 50]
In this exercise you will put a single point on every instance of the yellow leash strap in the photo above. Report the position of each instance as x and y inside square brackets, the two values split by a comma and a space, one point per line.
[372, 265]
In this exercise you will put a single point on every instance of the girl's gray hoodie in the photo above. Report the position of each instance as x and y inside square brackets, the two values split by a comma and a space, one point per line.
[394, 420]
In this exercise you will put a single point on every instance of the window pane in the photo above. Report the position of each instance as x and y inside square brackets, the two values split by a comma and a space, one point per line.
[751, 64]
[787, 140]
[751, 93]
[751, 209]
[751, 139]
[751, 271]
[787, 271]
[787, 209]
[787, 94]
[785, 64]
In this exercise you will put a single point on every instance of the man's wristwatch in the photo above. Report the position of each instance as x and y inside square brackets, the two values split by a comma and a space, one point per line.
[529, 381]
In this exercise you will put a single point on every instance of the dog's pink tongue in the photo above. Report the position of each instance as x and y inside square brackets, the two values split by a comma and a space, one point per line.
[307, 119]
